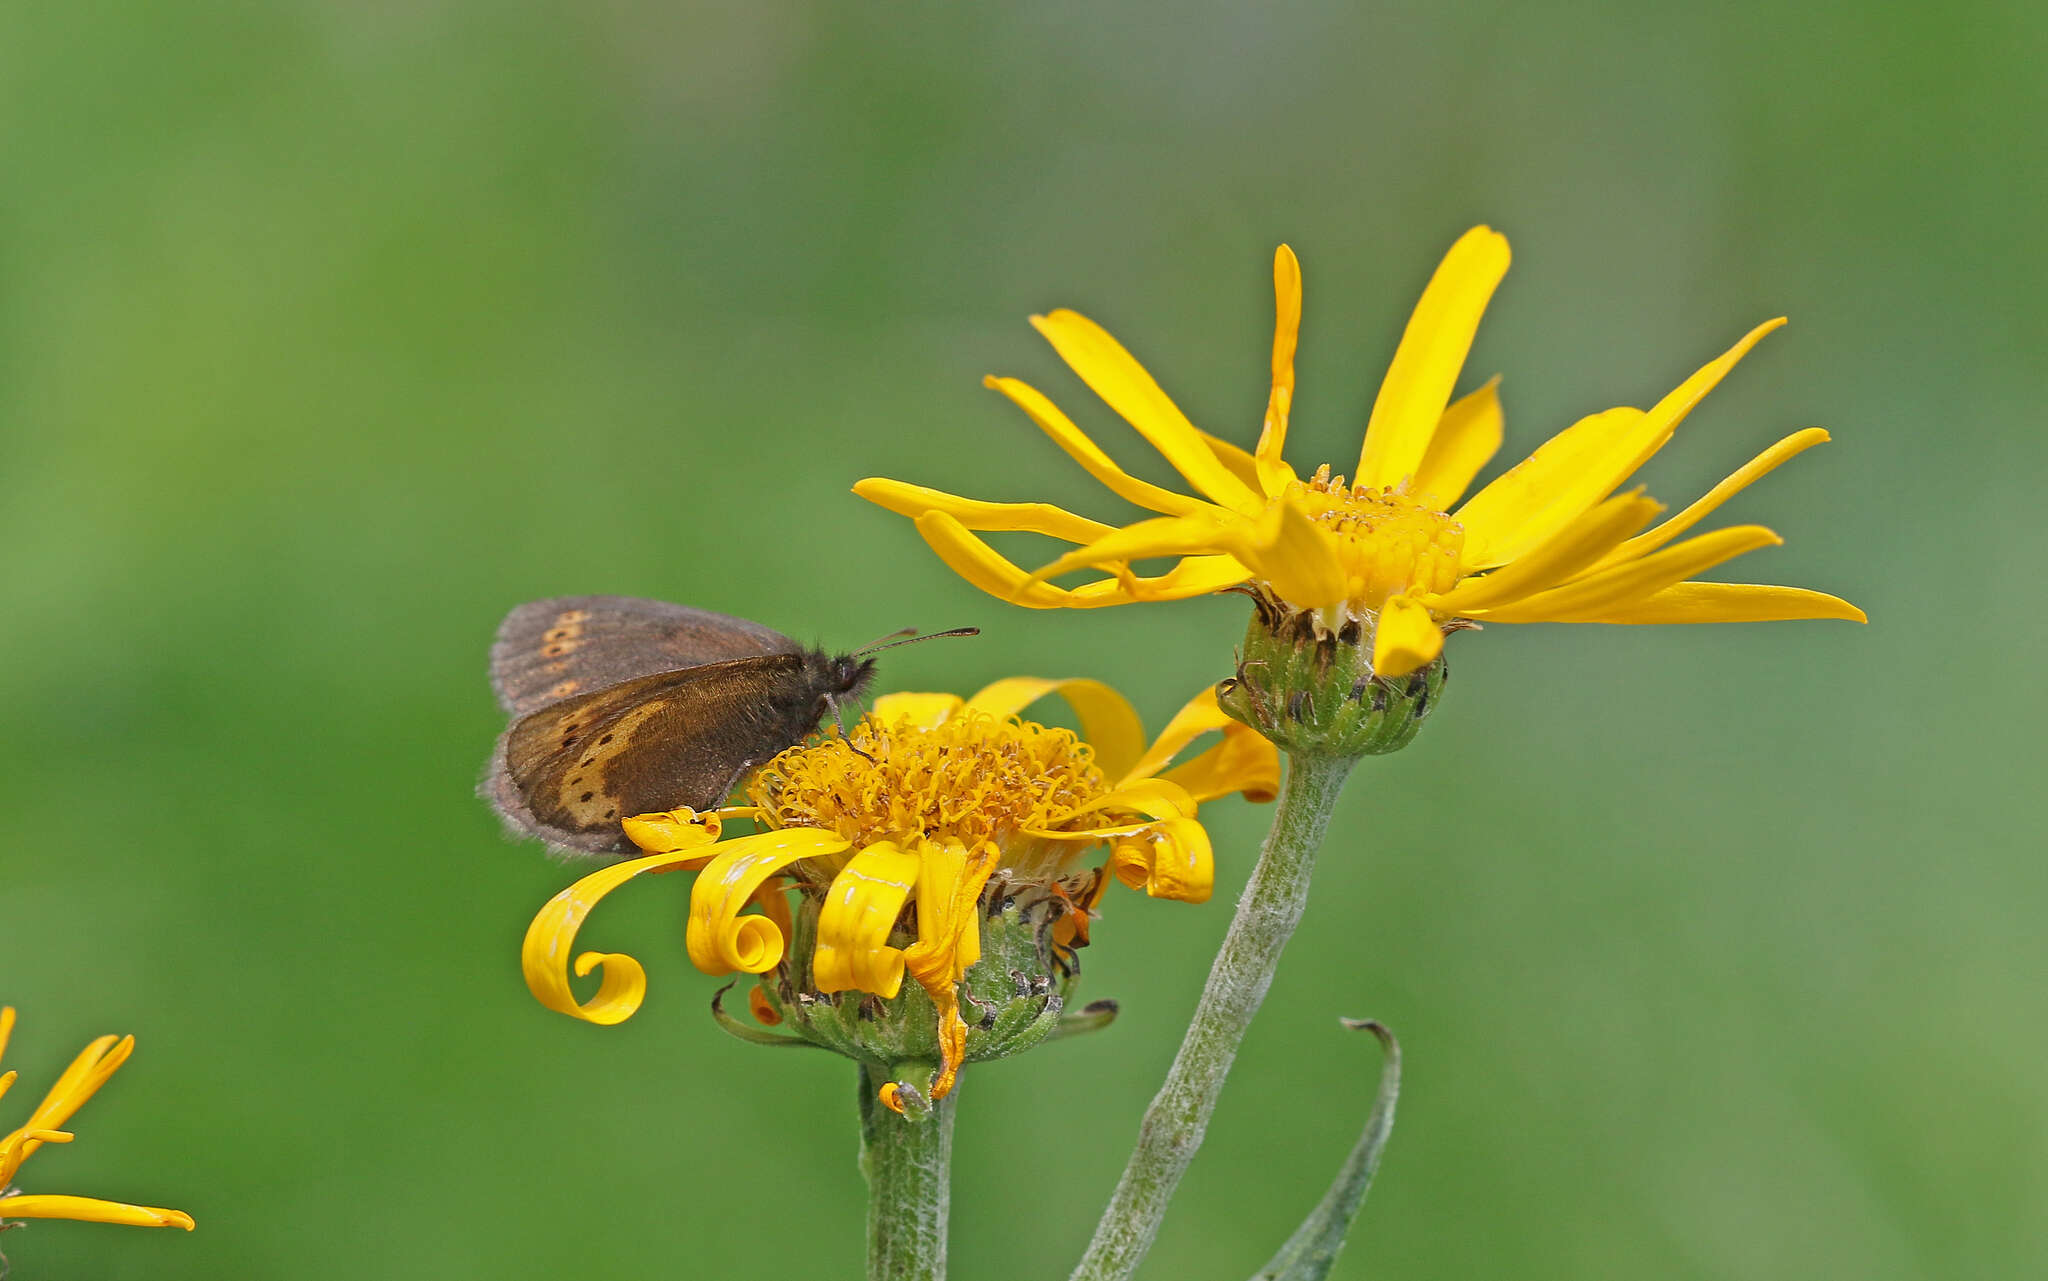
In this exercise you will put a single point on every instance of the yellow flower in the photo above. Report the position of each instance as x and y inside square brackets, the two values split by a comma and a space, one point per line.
[87, 1073]
[899, 836]
[1548, 541]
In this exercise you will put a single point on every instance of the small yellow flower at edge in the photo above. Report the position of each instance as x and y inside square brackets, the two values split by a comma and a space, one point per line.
[1548, 541]
[932, 803]
[87, 1073]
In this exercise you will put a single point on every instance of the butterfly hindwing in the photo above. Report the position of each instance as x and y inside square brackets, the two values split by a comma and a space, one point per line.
[569, 772]
[550, 650]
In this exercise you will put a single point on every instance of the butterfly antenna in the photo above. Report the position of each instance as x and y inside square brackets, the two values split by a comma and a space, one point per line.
[909, 636]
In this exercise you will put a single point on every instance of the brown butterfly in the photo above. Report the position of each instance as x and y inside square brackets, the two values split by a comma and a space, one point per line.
[623, 706]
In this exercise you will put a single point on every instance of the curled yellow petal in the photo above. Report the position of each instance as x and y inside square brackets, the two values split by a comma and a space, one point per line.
[673, 831]
[1407, 638]
[1109, 723]
[1432, 352]
[91, 1210]
[1035, 518]
[1086, 452]
[1467, 437]
[860, 910]
[922, 710]
[1172, 860]
[544, 957]
[1116, 376]
[950, 879]
[718, 938]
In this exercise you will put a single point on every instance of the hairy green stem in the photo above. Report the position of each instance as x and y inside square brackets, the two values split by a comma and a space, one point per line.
[908, 1163]
[1266, 916]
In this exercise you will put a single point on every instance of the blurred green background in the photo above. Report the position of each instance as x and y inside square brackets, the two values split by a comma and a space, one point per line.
[328, 331]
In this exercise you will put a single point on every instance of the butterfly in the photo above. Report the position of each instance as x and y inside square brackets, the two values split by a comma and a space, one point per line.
[622, 706]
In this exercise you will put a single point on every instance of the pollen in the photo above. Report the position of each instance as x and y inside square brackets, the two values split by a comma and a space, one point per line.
[971, 778]
[1390, 543]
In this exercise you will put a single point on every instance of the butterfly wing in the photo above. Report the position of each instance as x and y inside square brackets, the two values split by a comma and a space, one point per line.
[550, 650]
[571, 771]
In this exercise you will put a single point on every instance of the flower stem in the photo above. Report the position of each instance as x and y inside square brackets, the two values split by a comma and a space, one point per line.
[908, 1163]
[1266, 917]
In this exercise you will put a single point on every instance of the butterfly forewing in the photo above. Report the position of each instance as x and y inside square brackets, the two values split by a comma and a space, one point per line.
[551, 650]
[572, 771]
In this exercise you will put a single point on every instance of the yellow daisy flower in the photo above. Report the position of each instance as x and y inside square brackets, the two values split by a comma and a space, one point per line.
[934, 816]
[87, 1073]
[1391, 550]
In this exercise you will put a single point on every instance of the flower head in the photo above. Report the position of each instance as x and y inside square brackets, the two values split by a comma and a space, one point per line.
[1388, 549]
[88, 1072]
[935, 825]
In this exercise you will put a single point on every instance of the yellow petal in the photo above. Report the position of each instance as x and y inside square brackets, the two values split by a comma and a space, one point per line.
[1755, 469]
[1086, 452]
[1193, 576]
[926, 711]
[1109, 723]
[1432, 351]
[1550, 488]
[1467, 437]
[1730, 603]
[1240, 462]
[6, 1028]
[1573, 548]
[950, 879]
[1628, 583]
[89, 1071]
[1245, 761]
[1292, 554]
[1159, 536]
[1274, 474]
[1035, 518]
[1113, 374]
[6, 1080]
[678, 831]
[1581, 465]
[980, 564]
[1174, 861]
[718, 938]
[89, 1210]
[1407, 639]
[544, 957]
[860, 910]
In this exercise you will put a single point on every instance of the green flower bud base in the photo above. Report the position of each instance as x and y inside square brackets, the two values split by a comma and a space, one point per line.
[1313, 691]
[1011, 999]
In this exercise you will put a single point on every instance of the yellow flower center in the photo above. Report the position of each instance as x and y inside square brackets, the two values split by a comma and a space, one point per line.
[968, 779]
[1390, 544]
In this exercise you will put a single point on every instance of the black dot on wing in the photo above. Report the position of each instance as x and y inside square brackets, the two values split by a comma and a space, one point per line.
[585, 798]
[611, 813]
[606, 739]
